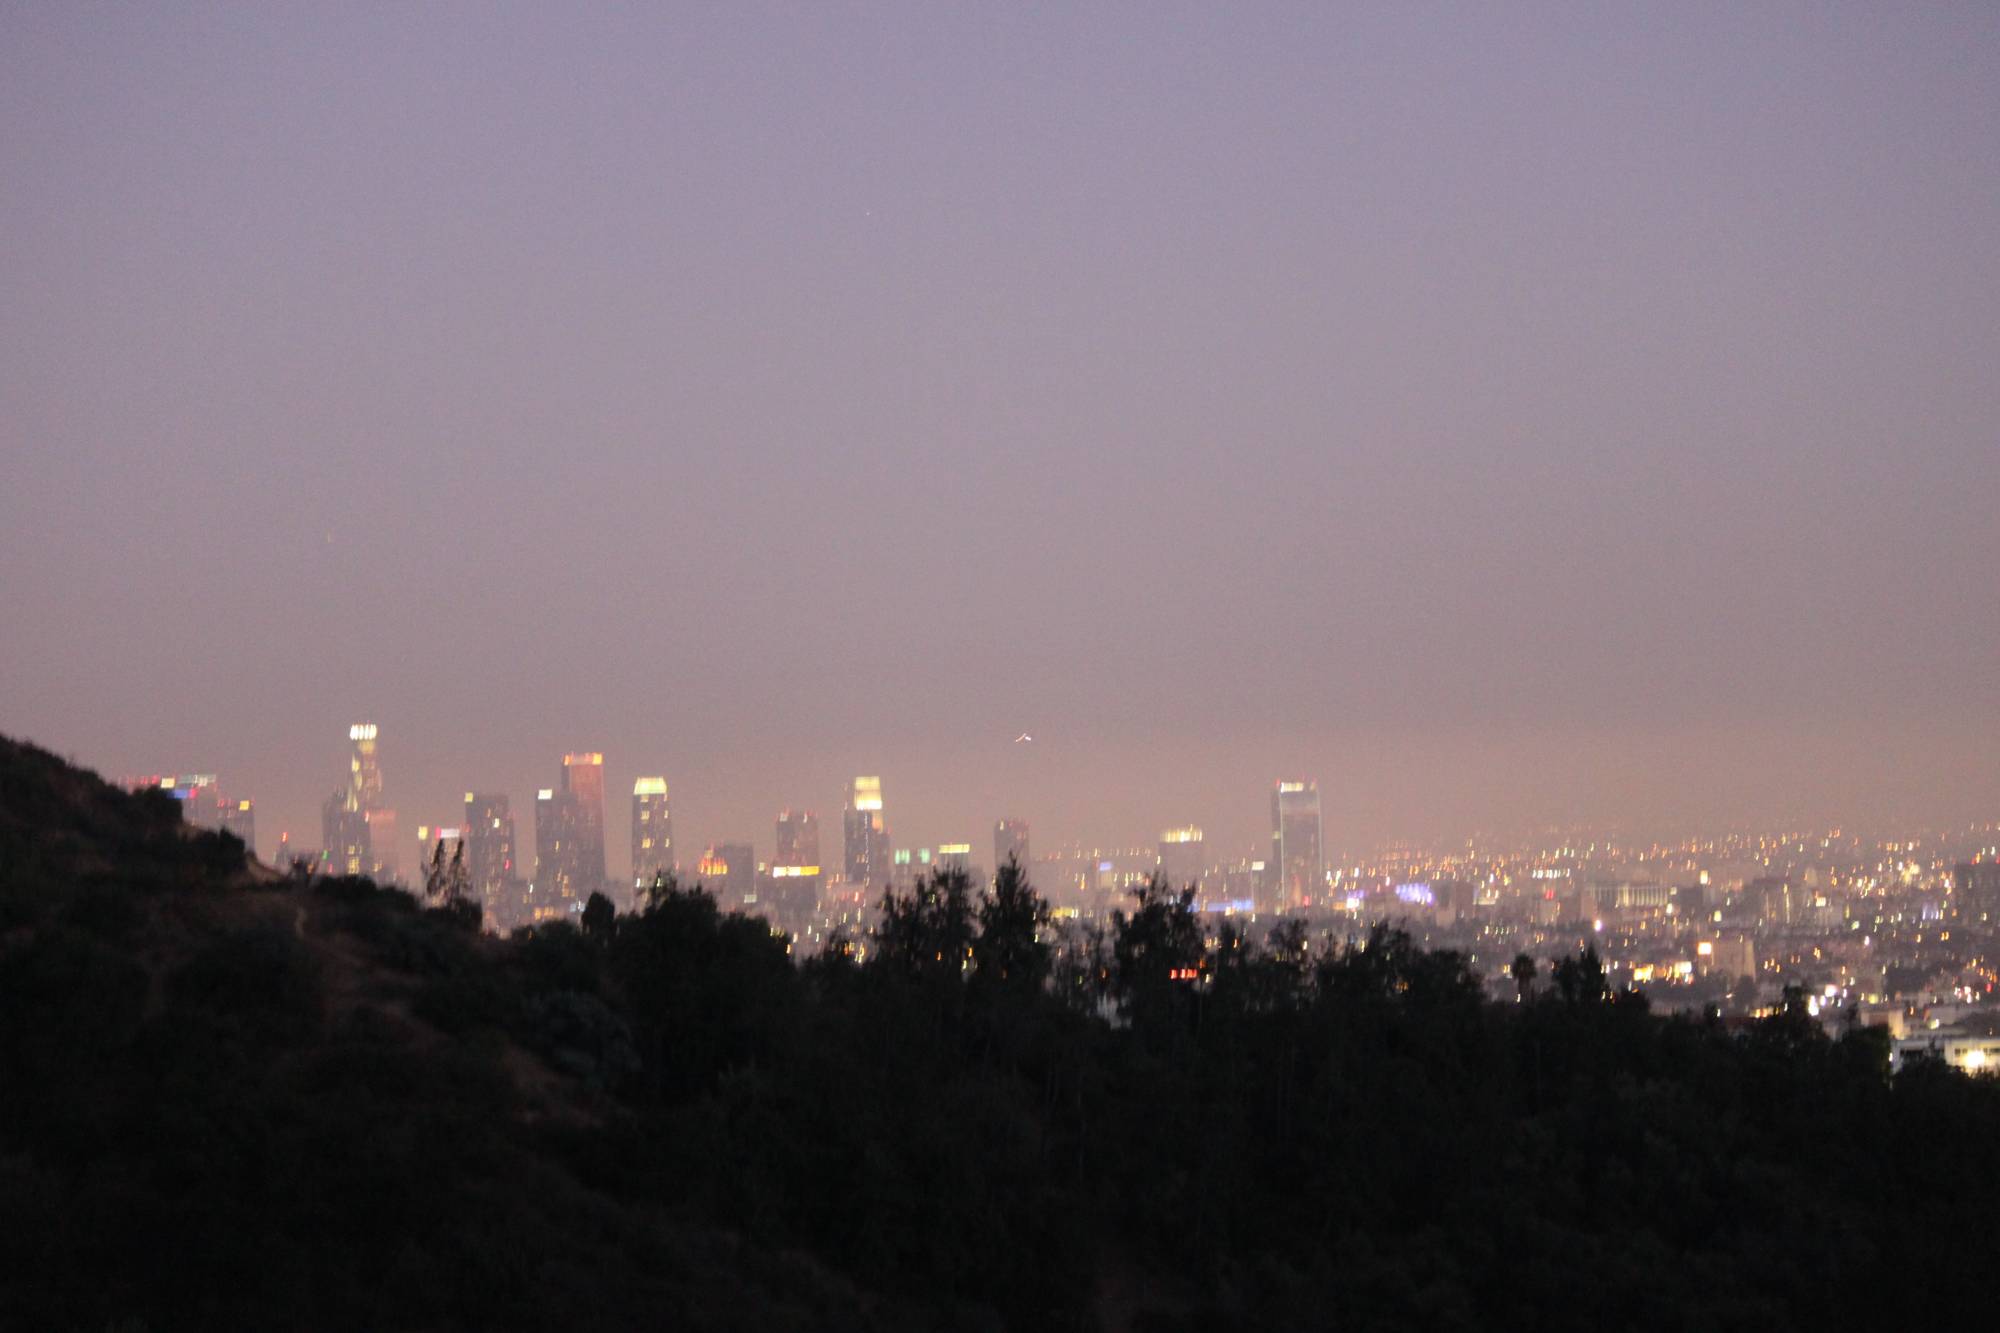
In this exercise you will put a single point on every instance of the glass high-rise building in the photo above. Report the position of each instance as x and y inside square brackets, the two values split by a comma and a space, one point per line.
[1181, 857]
[798, 838]
[865, 831]
[359, 831]
[489, 856]
[1296, 868]
[583, 779]
[364, 771]
[796, 877]
[728, 871]
[1010, 838]
[569, 838]
[556, 860]
[652, 833]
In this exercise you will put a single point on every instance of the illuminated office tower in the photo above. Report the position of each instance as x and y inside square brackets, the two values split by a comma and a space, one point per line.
[240, 817]
[556, 862]
[364, 771]
[489, 857]
[796, 877]
[583, 779]
[1296, 871]
[359, 831]
[728, 871]
[652, 833]
[200, 806]
[909, 867]
[866, 836]
[344, 838]
[956, 858]
[1010, 838]
[1181, 857]
[798, 838]
[194, 793]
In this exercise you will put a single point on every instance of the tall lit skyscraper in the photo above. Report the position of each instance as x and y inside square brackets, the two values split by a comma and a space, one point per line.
[1010, 838]
[1181, 856]
[583, 779]
[865, 832]
[359, 831]
[798, 838]
[569, 837]
[555, 888]
[364, 771]
[489, 856]
[1296, 869]
[652, 833]
[796, 877]
[344, 839]
[954, 856]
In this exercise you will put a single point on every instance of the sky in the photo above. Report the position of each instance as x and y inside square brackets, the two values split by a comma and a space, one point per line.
[1504, 415]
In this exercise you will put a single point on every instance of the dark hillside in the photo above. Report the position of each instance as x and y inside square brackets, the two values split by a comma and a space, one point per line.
[227, 1102]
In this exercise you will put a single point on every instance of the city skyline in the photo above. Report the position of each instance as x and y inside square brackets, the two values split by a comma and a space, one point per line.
[1277, 876]
[1504, 418]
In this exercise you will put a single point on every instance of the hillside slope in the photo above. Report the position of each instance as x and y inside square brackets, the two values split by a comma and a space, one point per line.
[227, 1104]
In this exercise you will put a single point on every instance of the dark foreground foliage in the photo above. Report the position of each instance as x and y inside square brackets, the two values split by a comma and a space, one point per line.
[231, 1104]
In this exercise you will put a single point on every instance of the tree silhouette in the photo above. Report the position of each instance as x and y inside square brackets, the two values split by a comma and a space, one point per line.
[1011, 949]
[927, 932]
[600, 918]
[1580, 980]
[1523, 972]
[1157, 951]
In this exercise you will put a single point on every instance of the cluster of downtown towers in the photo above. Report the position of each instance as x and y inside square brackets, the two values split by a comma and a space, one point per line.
[794, 890]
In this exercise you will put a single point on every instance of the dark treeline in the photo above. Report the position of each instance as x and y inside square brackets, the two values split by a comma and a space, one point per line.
[319, 1105]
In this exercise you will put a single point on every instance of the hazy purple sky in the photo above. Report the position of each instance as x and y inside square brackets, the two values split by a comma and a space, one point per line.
[1499, 413]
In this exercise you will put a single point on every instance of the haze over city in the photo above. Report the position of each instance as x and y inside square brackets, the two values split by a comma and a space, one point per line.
[1501, 416]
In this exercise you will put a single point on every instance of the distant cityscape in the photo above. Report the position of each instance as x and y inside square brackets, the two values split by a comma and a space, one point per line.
[1899, 932]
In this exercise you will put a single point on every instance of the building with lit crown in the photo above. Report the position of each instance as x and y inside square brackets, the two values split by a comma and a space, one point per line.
[796, 879]
[358, 831]
[652, 833]
[1296, 867]
[865, 830]
[569, 838]
[1182, 856]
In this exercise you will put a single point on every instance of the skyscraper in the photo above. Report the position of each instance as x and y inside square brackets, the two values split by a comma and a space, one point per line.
[387, 855]
[652, 833]
[556, 860]
[583, 779]
[795, 872]
[1181, 854]
[344, 839]
[240, 817]
[1296, 869]
[729, 872]
[1010, 838]
[359, 831]
[489, 857]
[798, 838]
[865, 832]
[364, 772]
